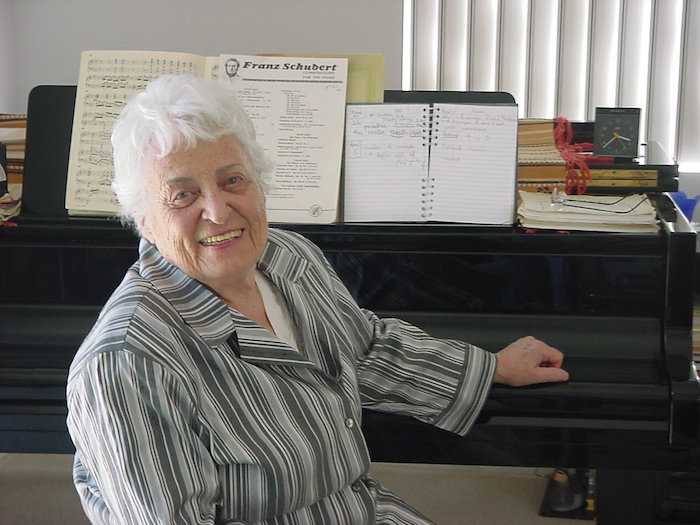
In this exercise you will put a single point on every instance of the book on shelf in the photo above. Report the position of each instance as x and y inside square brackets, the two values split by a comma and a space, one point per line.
[541, 172]
[13, 127]
[297, 106]
[3, 170]
[605, 179]
[542, 186]
[430, 162]
[13, 134]
[541, 167]
[536, 144]
[602, 176]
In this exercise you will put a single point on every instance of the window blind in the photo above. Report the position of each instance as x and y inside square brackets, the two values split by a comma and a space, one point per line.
[567, 57]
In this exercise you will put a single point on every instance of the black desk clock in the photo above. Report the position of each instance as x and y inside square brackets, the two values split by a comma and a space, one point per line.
[616, 132]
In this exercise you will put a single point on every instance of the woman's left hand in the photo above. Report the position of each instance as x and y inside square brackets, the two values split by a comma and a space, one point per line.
[528, 361]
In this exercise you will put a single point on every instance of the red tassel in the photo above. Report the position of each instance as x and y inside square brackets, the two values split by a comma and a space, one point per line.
[578, 175]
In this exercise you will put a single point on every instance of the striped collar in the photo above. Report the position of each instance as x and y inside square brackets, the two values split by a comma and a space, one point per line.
[211, 318]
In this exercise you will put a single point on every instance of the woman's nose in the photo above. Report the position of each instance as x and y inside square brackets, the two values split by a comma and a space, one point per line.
[215, 208]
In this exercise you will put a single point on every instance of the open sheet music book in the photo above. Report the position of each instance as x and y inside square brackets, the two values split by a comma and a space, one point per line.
[430, 162]
[297, 106]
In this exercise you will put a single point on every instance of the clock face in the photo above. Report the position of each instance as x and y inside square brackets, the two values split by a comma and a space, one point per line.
[616, 132]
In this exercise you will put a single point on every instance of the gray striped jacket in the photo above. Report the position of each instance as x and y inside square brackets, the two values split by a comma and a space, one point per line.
[183, 411]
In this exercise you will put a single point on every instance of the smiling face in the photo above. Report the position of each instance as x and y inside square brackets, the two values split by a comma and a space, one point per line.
[207, 213]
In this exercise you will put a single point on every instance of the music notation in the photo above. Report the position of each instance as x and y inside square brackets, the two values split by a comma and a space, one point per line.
[297, 106]
[108, 80]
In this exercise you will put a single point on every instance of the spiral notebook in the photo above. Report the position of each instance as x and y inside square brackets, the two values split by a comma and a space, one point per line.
[430, 162]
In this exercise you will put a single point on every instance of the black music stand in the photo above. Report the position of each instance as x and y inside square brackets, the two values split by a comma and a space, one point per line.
[49, 127]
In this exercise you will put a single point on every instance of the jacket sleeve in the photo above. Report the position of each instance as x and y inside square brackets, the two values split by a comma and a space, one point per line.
[138, 459]
[402, 369]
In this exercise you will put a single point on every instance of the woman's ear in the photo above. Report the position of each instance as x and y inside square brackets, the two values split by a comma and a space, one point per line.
[145, 230]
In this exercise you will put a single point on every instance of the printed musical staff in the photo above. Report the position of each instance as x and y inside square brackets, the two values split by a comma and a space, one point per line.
[108, 80]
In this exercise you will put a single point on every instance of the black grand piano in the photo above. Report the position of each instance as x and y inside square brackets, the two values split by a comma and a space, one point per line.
[618, 305]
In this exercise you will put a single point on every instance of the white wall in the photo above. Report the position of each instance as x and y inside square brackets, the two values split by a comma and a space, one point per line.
[6, 56]
[49, 35]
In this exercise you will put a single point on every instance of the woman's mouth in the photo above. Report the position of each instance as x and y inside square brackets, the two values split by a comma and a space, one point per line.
[220, 239]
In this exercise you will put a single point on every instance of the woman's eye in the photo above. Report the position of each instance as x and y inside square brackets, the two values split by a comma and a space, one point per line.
[180, 199]
[233, 180]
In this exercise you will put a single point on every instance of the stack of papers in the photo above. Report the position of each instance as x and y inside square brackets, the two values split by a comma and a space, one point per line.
[608, 213]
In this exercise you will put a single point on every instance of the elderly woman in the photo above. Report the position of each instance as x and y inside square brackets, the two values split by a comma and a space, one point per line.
[224, 379]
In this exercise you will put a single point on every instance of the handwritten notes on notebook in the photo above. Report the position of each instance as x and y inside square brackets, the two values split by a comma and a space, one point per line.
[437, 162]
